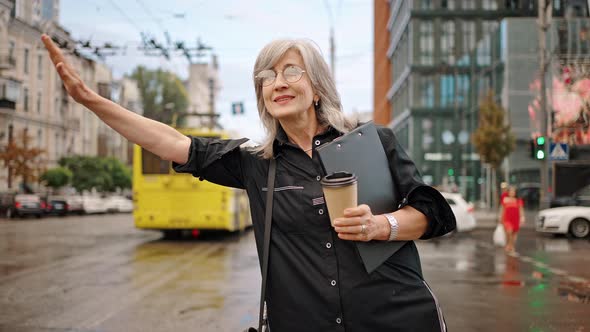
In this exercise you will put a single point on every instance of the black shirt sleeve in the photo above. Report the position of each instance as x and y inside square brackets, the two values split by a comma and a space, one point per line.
[413, 191]
[215, 160]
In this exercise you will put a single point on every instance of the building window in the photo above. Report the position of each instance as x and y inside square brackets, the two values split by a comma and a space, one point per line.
[56, 146]
[39, 137]
[39, 102]
[489, 4]
[468, 4]
[448, 42]
[488, 26]
[448, 4]
[512, 4]
[40, 67]
[468, 36]
[426, 43]
[462, 90]
[26, 59]
[26, 99]
[426, 87]
[484, 52]
[426, 4]
[11, 47]
[447, 90]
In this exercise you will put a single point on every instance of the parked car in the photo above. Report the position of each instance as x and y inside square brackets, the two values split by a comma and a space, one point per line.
[118, 204]
[7, 204]
[462, 210]
[578, 198]
[21, 205]
[75, 204]
[93, 204]
[54, 205]
[573, 220]
[529, 192]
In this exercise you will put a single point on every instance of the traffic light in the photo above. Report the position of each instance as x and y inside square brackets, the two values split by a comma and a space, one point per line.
[540, 148]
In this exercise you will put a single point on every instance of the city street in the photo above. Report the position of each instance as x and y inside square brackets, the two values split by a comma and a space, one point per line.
[98, 273]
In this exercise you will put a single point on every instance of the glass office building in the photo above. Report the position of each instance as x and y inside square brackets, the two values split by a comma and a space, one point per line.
[441, 62]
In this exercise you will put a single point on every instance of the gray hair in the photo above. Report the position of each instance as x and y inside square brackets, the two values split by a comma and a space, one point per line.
[329, 109]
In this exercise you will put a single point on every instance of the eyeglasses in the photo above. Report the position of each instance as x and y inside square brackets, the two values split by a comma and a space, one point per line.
[291, 74]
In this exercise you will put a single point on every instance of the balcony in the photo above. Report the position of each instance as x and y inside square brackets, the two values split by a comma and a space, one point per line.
[9, 93]
[7, 62]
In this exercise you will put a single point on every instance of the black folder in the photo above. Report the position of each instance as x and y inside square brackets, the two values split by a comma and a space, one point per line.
[361, 152]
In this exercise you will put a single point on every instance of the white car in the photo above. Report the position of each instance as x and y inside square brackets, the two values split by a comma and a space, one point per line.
[118, 204]
[462, 210]
[93, 204]
[574, 220]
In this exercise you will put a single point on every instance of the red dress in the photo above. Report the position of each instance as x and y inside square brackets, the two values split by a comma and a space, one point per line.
[511, 215]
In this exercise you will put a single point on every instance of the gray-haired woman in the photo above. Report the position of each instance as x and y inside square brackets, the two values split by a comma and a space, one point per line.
[316, 280]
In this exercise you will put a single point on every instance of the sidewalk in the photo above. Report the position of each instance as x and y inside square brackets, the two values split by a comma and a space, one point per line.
[486, 219]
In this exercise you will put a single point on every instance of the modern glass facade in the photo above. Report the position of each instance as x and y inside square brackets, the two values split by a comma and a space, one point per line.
[445, 54]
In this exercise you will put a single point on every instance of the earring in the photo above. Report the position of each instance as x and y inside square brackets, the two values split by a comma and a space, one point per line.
[317, 102]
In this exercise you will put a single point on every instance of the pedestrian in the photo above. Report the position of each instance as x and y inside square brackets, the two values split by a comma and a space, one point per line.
[512, 217]
[504, 191]
[316, 278]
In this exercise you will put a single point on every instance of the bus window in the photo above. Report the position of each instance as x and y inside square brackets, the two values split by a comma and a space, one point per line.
[152, 164]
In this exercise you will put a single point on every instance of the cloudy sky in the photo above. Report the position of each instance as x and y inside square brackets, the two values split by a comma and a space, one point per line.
[237, 30]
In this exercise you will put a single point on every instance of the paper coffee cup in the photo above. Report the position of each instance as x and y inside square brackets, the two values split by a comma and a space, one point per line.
[340, 192]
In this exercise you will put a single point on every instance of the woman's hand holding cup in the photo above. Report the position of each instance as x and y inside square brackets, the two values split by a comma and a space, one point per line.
[357, 224]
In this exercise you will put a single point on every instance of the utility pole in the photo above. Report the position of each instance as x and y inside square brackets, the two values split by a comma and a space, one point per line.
[332, 53]
[332, 41]
[544, 22]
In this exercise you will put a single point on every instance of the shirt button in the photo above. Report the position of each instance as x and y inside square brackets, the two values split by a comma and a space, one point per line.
[338, 320]
[333, 283]
[318, 178]
[328, 245]
[320, 211]
[317, 142]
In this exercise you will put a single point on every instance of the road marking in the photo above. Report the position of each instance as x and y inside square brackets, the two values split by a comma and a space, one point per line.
[532, 261]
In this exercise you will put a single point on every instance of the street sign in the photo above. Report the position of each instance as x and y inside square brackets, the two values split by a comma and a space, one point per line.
[237, 108]
[559, 151]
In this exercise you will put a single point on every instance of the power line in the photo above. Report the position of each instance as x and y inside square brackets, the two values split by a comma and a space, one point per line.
[129, 20]
[155, 19]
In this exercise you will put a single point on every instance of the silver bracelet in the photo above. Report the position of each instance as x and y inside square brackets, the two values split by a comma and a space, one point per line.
[393, 225]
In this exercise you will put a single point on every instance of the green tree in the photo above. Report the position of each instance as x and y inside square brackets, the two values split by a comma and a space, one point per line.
[162, 94]
[57, 177]
[103, 174]
[120, 174]
[493, 139]
[87, 172]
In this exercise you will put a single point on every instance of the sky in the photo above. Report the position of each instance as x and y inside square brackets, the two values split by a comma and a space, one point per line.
[236, 30]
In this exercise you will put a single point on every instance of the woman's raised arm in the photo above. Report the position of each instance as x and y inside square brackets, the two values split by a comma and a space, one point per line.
[154, 136]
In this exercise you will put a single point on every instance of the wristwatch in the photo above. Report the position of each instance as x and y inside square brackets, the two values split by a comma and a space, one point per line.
[393, 224]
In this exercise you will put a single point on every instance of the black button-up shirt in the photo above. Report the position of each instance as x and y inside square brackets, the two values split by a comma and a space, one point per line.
[316, 281]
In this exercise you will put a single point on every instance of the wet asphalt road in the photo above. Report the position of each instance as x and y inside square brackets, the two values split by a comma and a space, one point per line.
[98, 273]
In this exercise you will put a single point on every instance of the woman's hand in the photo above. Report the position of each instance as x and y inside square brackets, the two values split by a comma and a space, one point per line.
[71, 80]
[358, 224]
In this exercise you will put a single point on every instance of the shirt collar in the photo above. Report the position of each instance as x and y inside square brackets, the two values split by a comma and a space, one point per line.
[281, 139]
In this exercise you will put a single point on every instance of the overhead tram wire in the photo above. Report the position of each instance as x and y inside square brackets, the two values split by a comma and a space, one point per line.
[169, 43]
[155, 19]
[129, 20]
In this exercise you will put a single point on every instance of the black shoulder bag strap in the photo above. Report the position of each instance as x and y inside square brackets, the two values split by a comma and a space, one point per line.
[267, 225]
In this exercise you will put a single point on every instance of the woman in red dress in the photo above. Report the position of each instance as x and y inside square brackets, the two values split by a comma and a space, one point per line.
[512, 217]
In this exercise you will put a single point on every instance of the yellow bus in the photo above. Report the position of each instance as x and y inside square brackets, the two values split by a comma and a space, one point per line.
[175, 203]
